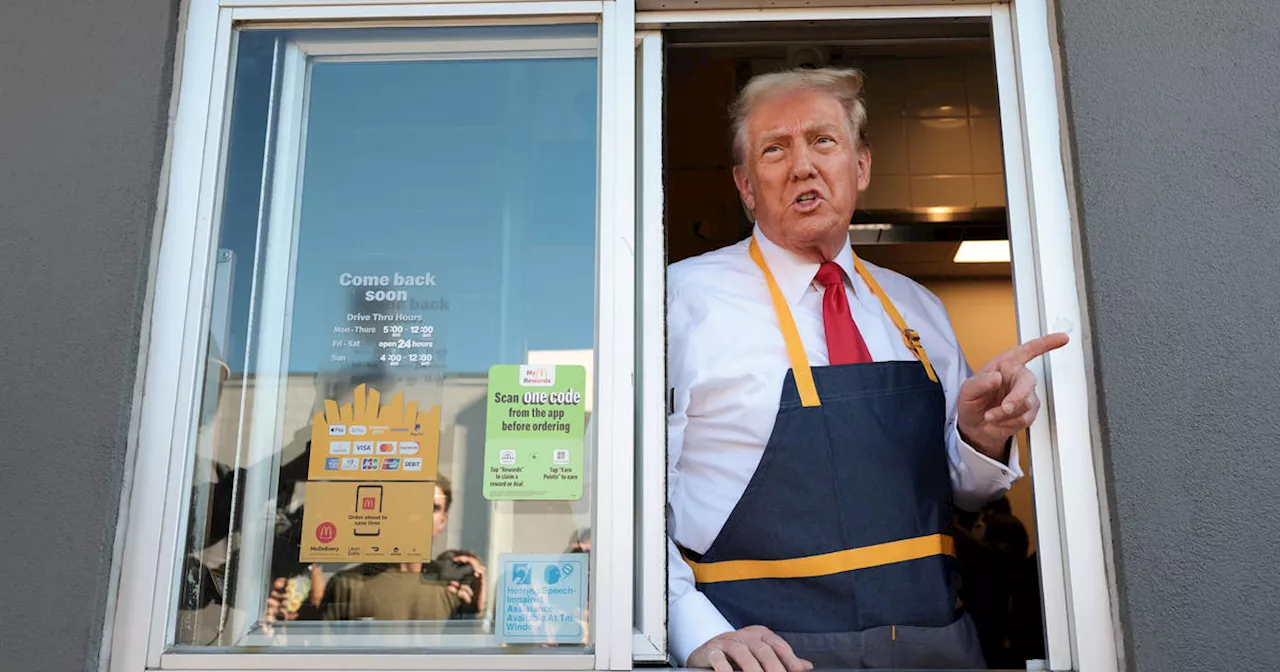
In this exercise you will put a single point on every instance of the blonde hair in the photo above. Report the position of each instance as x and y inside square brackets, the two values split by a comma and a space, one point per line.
[843, 84]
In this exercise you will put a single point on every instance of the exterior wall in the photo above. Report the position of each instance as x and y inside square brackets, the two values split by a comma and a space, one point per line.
[82, 130]
[1172, 110]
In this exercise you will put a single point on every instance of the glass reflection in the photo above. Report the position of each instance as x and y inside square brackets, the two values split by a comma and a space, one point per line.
[468, 182]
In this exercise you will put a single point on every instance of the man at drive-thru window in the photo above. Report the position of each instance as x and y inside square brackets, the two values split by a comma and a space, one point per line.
[823, 418]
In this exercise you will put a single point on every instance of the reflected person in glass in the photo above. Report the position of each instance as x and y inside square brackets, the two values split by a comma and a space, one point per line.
[453, 586]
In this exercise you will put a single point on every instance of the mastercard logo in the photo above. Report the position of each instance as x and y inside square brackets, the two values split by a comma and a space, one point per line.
[386, 447]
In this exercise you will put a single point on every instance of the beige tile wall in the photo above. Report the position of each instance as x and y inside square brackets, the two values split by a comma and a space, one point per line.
[935, 132]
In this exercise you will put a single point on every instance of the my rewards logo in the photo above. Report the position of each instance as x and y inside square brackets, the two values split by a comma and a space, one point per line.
[537, 376]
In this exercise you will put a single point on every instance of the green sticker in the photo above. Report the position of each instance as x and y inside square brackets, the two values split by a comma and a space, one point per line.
[534, 432]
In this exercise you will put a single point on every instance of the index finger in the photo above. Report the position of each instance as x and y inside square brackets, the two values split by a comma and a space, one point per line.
[1038, 346]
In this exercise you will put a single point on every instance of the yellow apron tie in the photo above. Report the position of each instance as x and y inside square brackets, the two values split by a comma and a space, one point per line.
[824, 564]
[795, 348]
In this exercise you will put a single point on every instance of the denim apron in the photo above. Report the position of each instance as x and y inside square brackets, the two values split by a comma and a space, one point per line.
[842, 541]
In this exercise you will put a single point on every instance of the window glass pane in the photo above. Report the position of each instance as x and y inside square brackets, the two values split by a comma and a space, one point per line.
[401, 211]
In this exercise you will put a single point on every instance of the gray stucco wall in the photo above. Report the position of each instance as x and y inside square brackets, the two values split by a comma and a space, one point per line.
[84, 96]
[1174, 109]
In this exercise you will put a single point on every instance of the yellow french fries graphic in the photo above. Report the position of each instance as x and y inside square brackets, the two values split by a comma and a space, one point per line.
[337, 428]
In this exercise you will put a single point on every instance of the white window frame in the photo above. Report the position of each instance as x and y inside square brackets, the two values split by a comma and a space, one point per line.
[651, 382]
[152, 522]
[1077, 590]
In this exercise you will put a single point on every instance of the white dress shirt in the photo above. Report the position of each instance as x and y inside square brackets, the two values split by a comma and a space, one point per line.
[726, 363]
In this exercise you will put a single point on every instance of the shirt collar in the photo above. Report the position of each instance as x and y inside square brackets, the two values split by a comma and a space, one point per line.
[794, 273]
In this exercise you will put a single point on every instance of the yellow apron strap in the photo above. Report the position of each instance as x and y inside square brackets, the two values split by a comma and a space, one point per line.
[795, 348]
[826, 563]
[909, 335]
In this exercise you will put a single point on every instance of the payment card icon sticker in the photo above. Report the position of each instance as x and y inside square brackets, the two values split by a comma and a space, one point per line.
[331, 463]
[390, 463]
[507, 456]
[371, 424]
[369, 464]
[413, 464]
[350, 464]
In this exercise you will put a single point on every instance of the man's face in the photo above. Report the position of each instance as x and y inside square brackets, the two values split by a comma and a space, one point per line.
[802, 169]
[439, 514]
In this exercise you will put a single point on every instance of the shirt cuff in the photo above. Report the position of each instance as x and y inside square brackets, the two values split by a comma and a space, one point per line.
[694, 621]
[987, 478]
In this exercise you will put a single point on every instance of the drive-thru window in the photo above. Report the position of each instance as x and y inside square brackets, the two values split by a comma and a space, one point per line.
[405, 400]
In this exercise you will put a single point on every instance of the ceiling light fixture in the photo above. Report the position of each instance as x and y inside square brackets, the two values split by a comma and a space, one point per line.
[982, 252]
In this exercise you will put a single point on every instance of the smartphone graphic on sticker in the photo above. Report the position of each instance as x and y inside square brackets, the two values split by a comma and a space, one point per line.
[368, 500]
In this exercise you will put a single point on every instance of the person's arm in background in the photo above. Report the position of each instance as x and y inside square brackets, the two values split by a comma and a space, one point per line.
[333, 606]
[471, 595]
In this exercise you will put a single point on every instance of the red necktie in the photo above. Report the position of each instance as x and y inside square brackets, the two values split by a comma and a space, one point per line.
[844, 342]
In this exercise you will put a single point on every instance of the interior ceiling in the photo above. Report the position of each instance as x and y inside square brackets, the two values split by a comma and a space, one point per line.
[892, 38]
[929, 261]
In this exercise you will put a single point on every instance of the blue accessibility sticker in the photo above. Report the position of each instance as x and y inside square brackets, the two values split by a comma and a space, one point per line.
[542, 598]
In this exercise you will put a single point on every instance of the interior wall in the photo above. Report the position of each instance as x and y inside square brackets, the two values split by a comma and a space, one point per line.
[84, 113]
[703, 210]
[934, 128]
